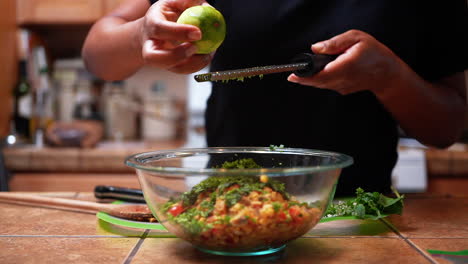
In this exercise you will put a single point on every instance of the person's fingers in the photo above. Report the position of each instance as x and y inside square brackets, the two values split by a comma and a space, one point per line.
[320, 80]
[181, 5]
[339, 43]
[162, 21]
[294, 78]
[167, 30]
[164, 44]
[192, 64]
[329, 76]
[171, 10]
[166, 58]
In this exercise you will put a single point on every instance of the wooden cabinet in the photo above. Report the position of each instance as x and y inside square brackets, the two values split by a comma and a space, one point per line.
[62, 26]
[8, 58]
[59, 11]
[63, 11]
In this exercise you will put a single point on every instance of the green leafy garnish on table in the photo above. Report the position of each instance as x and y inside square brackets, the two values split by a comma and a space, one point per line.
[367, 205]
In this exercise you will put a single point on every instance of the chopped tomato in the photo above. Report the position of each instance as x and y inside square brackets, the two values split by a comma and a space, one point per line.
[295, 214]
[232, 187]
[176, 210]
[257, 205]
[215, 231]
[281, 216]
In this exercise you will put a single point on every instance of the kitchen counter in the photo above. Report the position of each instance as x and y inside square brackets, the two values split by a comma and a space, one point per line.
[32, 234]
[105, 157]
[75, 169]
[109, 156]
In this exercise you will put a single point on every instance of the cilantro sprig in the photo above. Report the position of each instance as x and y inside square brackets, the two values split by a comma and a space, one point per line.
[367, 205]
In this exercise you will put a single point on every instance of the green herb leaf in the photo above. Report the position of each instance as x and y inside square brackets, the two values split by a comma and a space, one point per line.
[189, 222]
[367, 205]
[241, 164]
[274, 147]
[360, 211]
[276, 206]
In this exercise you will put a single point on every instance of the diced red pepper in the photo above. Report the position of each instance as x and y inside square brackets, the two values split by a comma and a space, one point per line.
[295, 214]
[215, 231]
[176, 210]
[257, 205]
[281, 216]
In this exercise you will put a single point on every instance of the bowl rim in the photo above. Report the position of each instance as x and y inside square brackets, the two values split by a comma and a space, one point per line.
[134, 161]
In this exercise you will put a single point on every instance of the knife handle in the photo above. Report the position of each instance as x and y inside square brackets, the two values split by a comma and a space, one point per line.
[119, 193]
[316, 62]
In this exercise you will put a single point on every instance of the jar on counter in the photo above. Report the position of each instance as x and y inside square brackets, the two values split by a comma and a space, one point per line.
[120, 118]
[159, 114]
[159, 118]
[65, 76]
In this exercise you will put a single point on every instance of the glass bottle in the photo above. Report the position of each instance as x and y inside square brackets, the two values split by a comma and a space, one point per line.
[22, 107]
[43, 99]
[120, 117]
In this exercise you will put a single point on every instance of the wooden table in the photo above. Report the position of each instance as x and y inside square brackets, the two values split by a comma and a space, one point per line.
[31, 234]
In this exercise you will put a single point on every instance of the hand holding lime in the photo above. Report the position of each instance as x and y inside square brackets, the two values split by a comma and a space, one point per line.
[211, 23]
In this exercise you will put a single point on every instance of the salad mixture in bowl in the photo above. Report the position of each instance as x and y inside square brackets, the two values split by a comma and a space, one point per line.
[239, 201]
[225, 212]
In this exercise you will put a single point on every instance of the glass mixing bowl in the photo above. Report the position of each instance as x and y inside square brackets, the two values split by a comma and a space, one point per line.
[240, 211]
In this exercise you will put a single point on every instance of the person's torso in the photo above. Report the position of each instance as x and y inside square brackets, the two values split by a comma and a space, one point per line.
[273, 111]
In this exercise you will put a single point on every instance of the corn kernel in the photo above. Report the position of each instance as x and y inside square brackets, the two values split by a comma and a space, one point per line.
[264, 178]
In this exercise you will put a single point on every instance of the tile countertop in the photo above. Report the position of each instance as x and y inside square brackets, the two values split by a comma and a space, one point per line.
[32, 234]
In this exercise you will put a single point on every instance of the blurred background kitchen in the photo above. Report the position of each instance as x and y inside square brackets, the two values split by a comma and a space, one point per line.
[63, 129]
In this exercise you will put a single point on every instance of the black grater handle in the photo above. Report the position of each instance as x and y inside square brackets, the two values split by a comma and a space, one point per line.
[316, 62]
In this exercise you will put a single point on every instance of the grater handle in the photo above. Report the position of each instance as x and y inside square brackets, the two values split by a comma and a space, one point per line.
[315, 63]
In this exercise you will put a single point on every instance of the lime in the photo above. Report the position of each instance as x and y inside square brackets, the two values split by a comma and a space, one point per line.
[211, 23]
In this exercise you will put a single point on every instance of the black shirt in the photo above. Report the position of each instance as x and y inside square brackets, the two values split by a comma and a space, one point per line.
[272, 111]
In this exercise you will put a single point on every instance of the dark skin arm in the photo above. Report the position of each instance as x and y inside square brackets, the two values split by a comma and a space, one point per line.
[432, 112]
[137, 34]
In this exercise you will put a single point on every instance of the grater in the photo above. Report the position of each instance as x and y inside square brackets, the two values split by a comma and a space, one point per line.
[303, 65]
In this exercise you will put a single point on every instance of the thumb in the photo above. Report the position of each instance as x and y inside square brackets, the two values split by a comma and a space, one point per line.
[337, 44]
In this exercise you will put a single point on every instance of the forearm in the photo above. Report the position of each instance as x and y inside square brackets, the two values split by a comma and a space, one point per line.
[433, 113]
[112, 50]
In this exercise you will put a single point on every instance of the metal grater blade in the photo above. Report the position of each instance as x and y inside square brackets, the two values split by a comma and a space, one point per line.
[240, 74]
